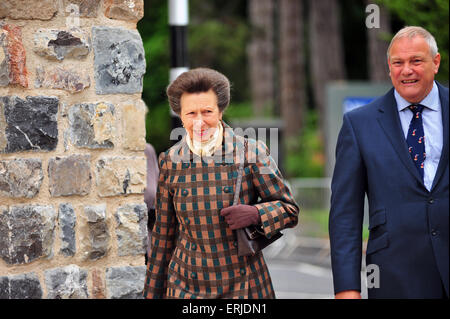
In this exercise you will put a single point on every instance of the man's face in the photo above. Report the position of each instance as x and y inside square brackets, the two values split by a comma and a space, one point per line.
[412, 68]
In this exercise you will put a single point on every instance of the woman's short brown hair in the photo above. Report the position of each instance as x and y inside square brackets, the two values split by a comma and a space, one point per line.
[196, 81]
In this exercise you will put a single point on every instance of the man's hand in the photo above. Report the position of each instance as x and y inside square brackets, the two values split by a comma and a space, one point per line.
[348, 294]
[240, 216]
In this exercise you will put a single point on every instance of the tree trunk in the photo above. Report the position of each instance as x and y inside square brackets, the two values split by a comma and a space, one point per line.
[327, 55]
[261, 56]
[377, 47]
[291, 66]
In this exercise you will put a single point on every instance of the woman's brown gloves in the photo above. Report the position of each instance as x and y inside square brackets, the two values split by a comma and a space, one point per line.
[240, 216]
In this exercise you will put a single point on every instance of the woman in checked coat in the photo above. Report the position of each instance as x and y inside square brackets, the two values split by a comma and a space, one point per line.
[194, 248]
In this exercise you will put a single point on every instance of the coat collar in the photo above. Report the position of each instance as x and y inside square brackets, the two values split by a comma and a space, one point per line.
[181, 152]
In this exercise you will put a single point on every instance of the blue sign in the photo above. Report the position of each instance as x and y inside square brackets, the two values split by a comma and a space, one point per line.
[353, 102]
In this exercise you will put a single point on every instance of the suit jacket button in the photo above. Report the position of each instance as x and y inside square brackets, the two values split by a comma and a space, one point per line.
[194, 275]
[431, 201]
[235, 244]
[242, 271]
[433, 232]
[194, 246]
[185, 165]
[184, 192]
[187, 221]
[227, 189]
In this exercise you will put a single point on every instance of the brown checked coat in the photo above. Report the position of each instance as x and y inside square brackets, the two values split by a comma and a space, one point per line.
[194, 253]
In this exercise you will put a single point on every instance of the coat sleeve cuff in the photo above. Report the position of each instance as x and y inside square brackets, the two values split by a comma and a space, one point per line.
[271, 219]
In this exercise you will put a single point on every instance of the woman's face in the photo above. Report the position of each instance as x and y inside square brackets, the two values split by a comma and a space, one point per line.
[200, 114]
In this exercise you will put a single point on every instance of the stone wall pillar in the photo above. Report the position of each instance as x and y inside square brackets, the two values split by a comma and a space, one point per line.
[72, 138]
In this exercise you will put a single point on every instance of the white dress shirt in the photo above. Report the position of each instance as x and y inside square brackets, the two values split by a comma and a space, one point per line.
[432, 128]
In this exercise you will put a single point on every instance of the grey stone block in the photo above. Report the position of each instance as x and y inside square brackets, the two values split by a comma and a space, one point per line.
[84, 8]
[119, 60]
[4, 288]
[60, 44]
[69, 175]
[20, 177]
[4, 65]
[3, 140]
[125, 282]
[4, 229]
[92, 125]
[26, 233]
[66, 283]
[131, 229]
[31, 124]
[95, 233]
[24, 286]
[121, 175]
[67, 221]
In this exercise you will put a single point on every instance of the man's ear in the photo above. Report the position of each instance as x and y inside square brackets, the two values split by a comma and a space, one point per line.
[437, 62]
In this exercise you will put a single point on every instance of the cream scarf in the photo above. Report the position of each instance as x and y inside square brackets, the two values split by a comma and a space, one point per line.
[206, 148]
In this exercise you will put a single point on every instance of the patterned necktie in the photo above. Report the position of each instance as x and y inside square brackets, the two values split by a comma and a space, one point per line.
[416, 138]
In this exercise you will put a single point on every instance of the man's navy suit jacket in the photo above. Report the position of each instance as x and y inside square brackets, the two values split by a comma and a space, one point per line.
[408, 224]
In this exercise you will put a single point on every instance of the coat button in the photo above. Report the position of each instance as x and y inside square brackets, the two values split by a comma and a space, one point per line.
[187, 221]
[235, 244]
[194, 275]
[194, 246]
[242, 271]
[184, 192]
[185, 165]
[431, 201]
[227, 189]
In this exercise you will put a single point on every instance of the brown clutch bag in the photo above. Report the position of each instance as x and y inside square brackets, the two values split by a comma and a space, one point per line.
[250, 239]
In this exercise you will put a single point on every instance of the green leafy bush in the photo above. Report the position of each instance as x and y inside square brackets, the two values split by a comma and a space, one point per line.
[305, 154]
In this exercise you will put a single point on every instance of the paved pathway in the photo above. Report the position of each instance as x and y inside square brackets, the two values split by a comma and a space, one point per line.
[300, 268]
[295, 280]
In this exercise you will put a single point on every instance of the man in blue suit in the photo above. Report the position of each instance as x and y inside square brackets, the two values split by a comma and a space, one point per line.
[395, 150]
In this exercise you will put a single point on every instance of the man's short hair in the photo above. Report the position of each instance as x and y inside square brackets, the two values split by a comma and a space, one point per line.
[411, 32]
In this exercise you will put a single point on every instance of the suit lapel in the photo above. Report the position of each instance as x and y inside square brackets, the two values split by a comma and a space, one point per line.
[390, 122]
[443, 95]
